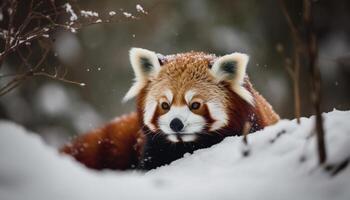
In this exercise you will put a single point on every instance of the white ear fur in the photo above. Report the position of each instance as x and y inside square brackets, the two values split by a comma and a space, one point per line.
[145, 65]
[232, 68]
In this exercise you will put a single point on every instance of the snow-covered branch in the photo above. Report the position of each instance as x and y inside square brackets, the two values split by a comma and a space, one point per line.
[19, 40]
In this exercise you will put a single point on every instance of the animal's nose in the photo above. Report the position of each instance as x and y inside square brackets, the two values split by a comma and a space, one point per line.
[176, 125]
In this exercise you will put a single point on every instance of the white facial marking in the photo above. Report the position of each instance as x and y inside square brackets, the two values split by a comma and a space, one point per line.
[188, 138]
[172, 138]
[189, 95]
[193, 123]
[148, 113]
[217, 112]
[169, 95]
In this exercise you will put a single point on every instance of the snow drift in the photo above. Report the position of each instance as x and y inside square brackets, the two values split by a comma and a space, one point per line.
[29, 169]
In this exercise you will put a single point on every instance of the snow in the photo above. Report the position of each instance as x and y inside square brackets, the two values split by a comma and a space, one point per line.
[112, 13]
[88, 13]
[29, 169]
[70, 11]
[139, 8]
[127, 15]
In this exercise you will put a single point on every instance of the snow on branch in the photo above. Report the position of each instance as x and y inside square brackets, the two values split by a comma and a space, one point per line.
[20, 39]
[139, 8]
[73, 16]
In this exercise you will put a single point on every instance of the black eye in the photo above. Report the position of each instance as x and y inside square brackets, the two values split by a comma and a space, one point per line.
[165, 106]
[195, 105]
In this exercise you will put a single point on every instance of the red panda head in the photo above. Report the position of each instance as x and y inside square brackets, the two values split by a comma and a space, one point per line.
[184, 95]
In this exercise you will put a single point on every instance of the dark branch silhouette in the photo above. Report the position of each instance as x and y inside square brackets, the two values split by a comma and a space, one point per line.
[41, 19]
[305, 47]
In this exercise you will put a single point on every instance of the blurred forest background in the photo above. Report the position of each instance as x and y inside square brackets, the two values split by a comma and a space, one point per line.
[97, 55]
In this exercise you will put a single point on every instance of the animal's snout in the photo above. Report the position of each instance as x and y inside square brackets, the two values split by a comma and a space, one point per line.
[176, 125]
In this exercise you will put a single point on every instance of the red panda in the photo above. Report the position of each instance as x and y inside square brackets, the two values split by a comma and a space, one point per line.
[185, 102]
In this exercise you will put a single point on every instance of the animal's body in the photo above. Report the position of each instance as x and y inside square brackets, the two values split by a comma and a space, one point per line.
[184, 102]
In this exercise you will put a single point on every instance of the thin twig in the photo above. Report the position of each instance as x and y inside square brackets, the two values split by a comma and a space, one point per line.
[58, 78]
[17, 36]
[294, 70]
[245, 131]
[315, 80]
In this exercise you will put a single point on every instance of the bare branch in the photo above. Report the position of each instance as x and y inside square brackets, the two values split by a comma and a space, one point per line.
[294, 69]
[315, 79]
[56, 77]
[307, 49]
[36, 27]
[245, 131]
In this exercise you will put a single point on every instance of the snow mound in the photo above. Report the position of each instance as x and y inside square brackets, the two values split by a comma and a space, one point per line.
[31, 170]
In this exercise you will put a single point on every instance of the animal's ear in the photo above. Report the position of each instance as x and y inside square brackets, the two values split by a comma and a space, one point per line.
[145, 64]
[232, 68]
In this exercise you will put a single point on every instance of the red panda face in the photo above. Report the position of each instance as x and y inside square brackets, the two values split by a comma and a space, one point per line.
[184, 95]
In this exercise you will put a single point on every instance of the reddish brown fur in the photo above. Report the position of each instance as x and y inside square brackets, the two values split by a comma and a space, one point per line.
[118, 145]
[182, 72]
